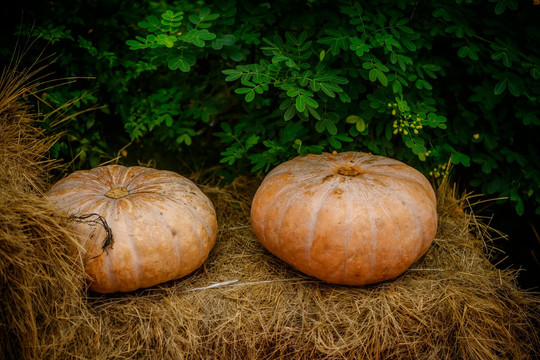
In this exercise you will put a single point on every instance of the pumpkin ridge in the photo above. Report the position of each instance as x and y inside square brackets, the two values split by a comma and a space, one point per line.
[427, 200]
[390, 216]
[109, 173]
[274, 198]
[83, 186]
[290, 201]
[373, 240]
[419, 227]
[378, 162]
[139, 178]
[419, 224]
[189, 208]
[350, 189]
[132, 175]
[145, 208]
[407, 175]
[180, 204]
[314, 217]
[134, 251]
[191, 225]
[73, 206]
[179, 255]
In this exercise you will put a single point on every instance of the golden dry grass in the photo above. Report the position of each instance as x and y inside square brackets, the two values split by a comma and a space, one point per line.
[41, 285]
[244, 303]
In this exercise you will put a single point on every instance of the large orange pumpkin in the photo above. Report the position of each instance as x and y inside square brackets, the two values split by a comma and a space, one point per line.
[138, 226]
[350, 218]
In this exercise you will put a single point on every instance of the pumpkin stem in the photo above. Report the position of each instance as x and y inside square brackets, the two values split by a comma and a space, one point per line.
[117, 193]
[348, 171]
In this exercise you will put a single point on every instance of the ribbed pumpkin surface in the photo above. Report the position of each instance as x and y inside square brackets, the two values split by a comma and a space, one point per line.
[163, 225]
[350, 218]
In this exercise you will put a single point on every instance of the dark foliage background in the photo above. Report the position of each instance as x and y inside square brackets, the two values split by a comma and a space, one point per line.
[450, 87]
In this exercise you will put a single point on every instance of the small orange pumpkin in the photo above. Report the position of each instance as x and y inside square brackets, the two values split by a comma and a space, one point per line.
[161, 225]
[350, 218]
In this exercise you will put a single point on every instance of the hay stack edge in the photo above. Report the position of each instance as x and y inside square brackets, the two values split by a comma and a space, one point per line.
[243, 303]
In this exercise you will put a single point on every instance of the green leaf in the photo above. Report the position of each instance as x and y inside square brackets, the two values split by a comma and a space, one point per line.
[330, 89]
[503, 55]
[226, 127]
[495, 185]
[512, 87]
[343, 137]
[151, 25]
[168, 120]
[535, 73]
[423, 84]
[335, 143]
[331, 128]
[515, 197]
[500, 87]
[531, 118]
[368, 65]
[373, 73]
[251, 141]
[313, 112]
[289, 113]
[396, 87]
[360, 125]
[226, 40]
[177, 62]
[197, 37]
[242, 90]
[500, 7]
[250, 96]
[358, 46]
[232, 74]
[467, 51]
[441, 12]
[358, 121]
[382, 67]
[337, 40]
[311, 102]
[430, 70]
[520, 207]
[352, 119]
[460, 158]
[382, 78]
[416, 144]
[300, 103]
[135, 45]
[320, 126]
[206, 35]
[184, 138]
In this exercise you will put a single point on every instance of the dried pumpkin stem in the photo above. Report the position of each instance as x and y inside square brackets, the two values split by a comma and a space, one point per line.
[348, 171]
[93, 220]
[117, 193]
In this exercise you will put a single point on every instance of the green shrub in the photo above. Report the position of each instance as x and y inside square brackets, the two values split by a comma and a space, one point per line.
[250, 85]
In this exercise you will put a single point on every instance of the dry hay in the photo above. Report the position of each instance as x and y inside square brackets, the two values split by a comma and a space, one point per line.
[246, 304]
[41, 286]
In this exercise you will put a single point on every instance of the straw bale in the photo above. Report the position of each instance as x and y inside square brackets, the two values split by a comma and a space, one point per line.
[41, 284]
[244, 303]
